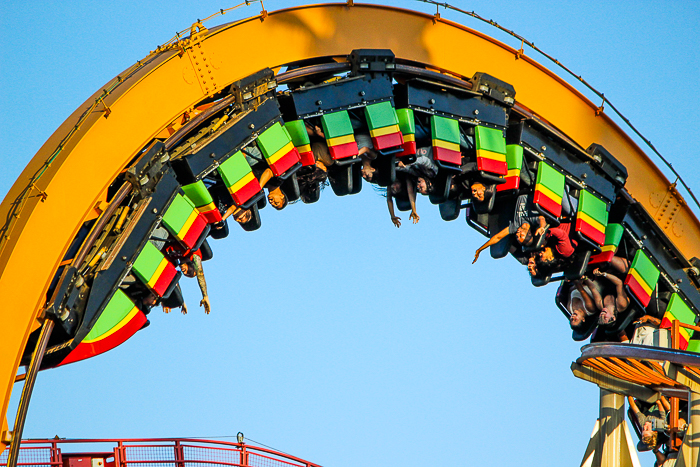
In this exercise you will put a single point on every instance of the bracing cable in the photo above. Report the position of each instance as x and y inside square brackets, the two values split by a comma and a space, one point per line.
[19, 202]
[601, 95]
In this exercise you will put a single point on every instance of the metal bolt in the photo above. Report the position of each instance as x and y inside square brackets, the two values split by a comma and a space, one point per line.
[476, 111]
[319, 102]
[431, 101]
[212, 155]
[679, 281]
[155, 211]
[123, 258]
[544, 148]
[251, 126]
[644, 237]
[584, 175]
[362, 93]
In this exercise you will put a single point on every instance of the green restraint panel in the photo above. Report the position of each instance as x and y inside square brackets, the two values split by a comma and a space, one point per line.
[445, 132]
[592, 217]
[406, 122]
[642, 278]
[339, 134]
[490, 150]
[514, 160]
[381, 115]
[549, 189]
[177, 214]
[336, 124]
[407, 125]
[678, 310]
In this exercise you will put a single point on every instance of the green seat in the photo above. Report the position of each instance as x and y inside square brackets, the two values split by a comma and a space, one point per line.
[200, 196]
[383, 123]
[276, 145]
[514, 160]
[613, 236]
[184, 222]
[591, 218]
[407, 125]
[300, 138]
[490, 150]
[154, 270]
[339, 134]
[549, 190]
[445, 134]
[678, 310]
[239, 179]
[642, 278]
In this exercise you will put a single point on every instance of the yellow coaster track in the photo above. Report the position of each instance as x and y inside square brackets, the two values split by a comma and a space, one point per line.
[99, 140]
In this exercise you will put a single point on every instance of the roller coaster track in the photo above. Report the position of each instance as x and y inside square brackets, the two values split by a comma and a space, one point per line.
[605, 100]
[180, 114]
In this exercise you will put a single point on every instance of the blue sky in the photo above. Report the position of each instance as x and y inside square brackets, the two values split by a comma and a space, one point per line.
[334, 336]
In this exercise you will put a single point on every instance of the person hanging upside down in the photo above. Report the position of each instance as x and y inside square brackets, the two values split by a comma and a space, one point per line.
[609, 304]
[277, 199]
[191, 266]
[525, 216]
[581, 306]
[558, 243]
[423, 170]
[168, 307]
[401, 187]
[652, 423]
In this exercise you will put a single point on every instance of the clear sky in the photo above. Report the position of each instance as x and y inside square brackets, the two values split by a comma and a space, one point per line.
[334, 336]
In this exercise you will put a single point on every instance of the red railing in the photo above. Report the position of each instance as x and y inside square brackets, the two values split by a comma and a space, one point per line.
[159, 452]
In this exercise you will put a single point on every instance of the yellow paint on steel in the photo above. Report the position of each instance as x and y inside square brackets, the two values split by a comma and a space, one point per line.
[169, 83]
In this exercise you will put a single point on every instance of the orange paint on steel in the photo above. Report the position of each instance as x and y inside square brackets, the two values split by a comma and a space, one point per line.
[645, 370]
[688, 326]
[693, 370]
[634, 372]
[675, 335]
[626, 373]
[651, 373]
[660, 371]
[600, 365]
[168, 84]
[613, 368]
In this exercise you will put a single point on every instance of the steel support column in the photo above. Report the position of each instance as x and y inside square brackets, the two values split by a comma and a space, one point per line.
[612, 417]
[689, 455]
[611, 444]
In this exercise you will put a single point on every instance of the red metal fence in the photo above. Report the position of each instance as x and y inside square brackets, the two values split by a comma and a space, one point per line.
[149, 453]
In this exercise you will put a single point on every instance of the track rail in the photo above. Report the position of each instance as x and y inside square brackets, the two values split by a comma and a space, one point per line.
[147, 451]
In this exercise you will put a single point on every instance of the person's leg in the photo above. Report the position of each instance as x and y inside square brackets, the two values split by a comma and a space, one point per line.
[596, 296]
[253, 155]
[159, 237]
[566, 201]
[321, 153]
[464, 143]
[620, 264]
